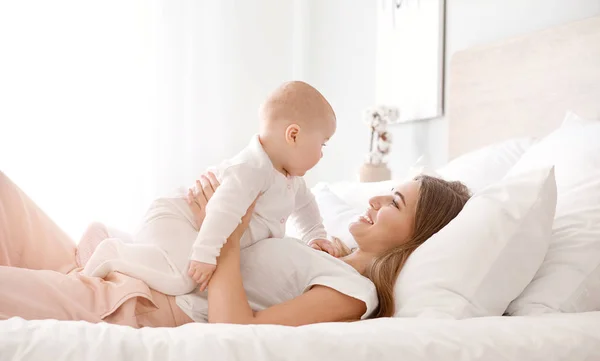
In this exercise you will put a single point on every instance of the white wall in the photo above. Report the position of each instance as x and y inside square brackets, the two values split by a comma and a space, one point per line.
[342, 61]
[219, 62]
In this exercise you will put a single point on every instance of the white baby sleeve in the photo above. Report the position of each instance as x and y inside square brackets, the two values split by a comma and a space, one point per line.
[240, 185]
[306, 216]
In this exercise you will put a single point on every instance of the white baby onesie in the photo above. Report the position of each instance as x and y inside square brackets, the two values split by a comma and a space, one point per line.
[168, 237]
[243, 178]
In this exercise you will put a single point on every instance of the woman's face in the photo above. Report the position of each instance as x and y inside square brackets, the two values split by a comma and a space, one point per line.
[389, 221]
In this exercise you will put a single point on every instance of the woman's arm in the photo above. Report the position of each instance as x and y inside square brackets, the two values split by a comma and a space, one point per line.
[228, 302]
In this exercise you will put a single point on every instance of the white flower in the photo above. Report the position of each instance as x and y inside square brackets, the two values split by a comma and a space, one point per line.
[393, 115]
[382, 110]
[385, 137]
[383, 147]
[375, 119]
[379, 125]
[376, 158]
[389, 114]
[384, 142]
[369, 116]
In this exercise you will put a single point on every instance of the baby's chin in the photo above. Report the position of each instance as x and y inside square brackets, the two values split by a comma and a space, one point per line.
[297, 173]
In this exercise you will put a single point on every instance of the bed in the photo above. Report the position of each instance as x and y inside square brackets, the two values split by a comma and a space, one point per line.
[517, 87]
[559, 337]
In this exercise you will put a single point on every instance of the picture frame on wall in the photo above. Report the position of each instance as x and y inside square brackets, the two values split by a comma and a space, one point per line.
[410, 57]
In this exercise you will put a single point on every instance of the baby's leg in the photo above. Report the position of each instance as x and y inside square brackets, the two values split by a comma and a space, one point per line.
[159, 256]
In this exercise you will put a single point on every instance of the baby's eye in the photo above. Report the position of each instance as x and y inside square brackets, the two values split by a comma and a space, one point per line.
[323, 145]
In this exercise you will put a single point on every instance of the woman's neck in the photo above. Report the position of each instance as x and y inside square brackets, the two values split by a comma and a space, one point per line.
[359, 260]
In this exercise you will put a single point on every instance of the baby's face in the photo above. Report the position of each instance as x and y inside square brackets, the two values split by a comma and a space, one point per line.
[309, 149]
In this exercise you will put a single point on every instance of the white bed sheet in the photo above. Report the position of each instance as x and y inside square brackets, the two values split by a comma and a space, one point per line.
[569, 337]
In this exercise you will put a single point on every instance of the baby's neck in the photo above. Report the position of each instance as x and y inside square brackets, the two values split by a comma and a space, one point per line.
[272, 152]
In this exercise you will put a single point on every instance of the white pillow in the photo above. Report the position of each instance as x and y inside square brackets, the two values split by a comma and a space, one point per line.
[484, 166]
[573, 120]
[486, 256]
[337, 214]
[569, 278]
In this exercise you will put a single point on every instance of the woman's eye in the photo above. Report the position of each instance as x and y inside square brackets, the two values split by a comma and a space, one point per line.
[395, 204]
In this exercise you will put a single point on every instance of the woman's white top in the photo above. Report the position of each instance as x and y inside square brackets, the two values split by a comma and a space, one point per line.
[276, 270]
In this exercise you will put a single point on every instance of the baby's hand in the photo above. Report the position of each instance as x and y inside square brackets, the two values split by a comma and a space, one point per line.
[325, 246]
[201, 273]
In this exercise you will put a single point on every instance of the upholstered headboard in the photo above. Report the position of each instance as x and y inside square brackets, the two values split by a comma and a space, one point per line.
[523, 86]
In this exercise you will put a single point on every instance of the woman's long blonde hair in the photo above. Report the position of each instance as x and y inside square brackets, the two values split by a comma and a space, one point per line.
[438, 203]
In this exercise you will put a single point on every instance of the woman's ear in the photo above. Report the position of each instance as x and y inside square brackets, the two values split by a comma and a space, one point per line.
[291, 133]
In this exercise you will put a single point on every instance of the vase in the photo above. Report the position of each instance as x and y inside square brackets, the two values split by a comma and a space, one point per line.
[374, 173]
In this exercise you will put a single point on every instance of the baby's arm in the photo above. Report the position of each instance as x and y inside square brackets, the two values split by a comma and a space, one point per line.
[307, 217]
[240, 185]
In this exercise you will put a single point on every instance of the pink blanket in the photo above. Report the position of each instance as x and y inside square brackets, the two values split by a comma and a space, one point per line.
[39, 274]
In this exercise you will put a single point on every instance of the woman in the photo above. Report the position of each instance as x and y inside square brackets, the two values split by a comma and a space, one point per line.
[40, 279]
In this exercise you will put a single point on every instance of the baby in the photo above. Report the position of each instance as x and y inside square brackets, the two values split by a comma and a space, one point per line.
[170, 256]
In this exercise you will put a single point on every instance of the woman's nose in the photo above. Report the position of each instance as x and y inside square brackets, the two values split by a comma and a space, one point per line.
[374, 203]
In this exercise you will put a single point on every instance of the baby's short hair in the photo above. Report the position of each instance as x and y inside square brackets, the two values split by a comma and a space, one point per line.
[296, 102]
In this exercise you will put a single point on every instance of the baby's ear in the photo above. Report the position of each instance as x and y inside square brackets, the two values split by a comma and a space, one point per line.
[291, 133]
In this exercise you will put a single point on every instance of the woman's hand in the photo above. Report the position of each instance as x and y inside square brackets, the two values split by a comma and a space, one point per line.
[198, 197]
